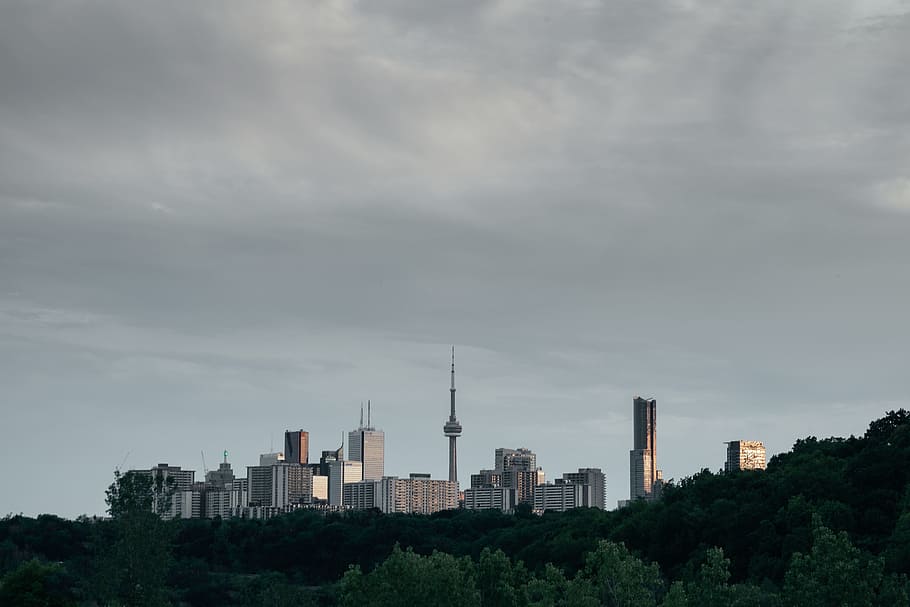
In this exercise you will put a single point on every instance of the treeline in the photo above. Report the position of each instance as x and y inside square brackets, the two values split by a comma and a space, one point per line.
[834, 507]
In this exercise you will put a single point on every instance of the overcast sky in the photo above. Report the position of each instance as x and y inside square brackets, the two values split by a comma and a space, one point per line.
[222, 220]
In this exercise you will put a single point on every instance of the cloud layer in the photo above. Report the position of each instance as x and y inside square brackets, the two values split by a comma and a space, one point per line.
[218, 222]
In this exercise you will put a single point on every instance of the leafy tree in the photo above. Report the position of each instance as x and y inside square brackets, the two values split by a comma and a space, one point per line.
[710, 588]
[139, 492]
[132, 567]
[272, 590]
[882, 429]
[833, 573]
[619, 579]
[36, 584]
[500, 584]
[546, 589]
[407, 578]
[676, 596]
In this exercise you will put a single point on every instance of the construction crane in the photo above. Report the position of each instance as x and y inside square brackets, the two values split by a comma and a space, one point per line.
[123, 462]
[205, 470]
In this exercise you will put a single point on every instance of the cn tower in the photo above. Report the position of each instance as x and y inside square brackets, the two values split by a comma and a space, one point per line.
[452, 428]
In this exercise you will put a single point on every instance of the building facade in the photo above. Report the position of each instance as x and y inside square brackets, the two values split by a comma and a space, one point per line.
[320, 488]
[217, 503]
[292, 484]
[489, 498]
[745, 455]
[259, 483]
[426, 496]
[366, 444]
[418, 494]
[297, 446]
[220, 478]
[342, 472]
[596, 480]
[518, 459]
[643, 475]
[487, 478]
[561, 496]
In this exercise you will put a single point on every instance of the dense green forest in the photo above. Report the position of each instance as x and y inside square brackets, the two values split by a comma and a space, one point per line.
[828, 523]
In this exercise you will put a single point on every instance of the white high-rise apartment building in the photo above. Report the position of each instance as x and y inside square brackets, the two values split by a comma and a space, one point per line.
[561, 496]
[418, 494]
[595, 478]
[489, 498]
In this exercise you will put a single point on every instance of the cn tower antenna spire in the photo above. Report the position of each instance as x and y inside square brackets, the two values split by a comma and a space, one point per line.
[452, 389]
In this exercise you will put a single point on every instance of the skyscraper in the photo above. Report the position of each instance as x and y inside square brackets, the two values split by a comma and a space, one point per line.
[452, 429]
[297, 446]
[643, 456]
[332, 455]
[366, 444]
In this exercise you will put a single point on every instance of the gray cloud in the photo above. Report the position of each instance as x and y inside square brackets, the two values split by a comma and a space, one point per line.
[219, 222]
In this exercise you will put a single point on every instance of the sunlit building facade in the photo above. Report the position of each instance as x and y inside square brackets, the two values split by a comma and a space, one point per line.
[342, 472]
[745, 455]
[643, 473]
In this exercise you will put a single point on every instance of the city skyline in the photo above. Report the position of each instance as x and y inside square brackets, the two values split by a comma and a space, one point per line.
[221, 222]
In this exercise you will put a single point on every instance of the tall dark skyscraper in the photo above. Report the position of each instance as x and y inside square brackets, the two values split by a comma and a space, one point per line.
[452, 428]
[643, 456]
[297, 446]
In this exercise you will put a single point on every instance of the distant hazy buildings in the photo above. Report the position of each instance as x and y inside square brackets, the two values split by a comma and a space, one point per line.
[644, 478]
[286, 481]
[515, 469]
[366, 444]
[583, 489]
[220, 478]
[745, 455]
[452, 429]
